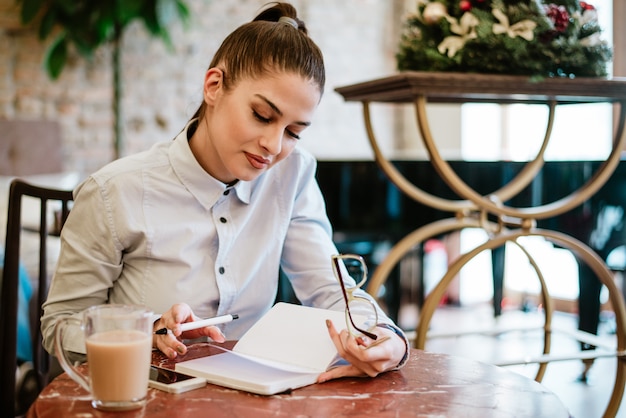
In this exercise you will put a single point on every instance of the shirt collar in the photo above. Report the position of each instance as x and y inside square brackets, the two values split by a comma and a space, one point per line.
[205, 188]
[243, 190]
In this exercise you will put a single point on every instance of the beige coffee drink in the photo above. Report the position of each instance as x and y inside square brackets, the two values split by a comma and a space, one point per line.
[118, 344]
[117, 364]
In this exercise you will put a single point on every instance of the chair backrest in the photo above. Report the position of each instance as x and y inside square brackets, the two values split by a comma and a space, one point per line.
[10, 284]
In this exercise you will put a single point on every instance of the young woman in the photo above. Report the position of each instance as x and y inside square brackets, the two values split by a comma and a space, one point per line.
[199, 226]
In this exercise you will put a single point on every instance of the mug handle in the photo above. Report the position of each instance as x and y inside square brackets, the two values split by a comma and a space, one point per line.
[72, 371]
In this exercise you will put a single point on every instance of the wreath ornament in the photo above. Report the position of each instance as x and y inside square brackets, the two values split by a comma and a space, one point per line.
[558, 38]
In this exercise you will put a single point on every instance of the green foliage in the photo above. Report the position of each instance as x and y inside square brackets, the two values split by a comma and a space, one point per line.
[88, 24]
[523, 37]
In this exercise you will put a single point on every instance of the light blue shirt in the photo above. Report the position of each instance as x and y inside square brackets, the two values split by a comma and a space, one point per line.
[155, 229]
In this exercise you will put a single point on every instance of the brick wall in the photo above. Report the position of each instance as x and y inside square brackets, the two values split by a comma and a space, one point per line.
[162, 88]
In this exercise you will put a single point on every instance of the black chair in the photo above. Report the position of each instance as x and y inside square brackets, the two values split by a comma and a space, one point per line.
[10, 283]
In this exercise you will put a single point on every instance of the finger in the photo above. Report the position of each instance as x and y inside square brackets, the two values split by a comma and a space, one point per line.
[344, 341]
[215, 334]
[181, 312]
[374, 358]
[341, 371]
[378, 341]
[341, 340]
[368, 356]
[178, 314]
[170, 346]
[350, 343]
[361, 341]
[212, 332]
[352, 350]
[334, 335]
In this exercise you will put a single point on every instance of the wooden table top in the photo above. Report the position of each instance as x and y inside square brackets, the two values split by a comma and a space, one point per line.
[430, 384]
[446, 87]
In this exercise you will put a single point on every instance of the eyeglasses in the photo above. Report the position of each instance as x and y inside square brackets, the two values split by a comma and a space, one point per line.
[364, 308]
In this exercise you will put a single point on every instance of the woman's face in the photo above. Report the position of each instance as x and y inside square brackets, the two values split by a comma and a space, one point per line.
[254, 125]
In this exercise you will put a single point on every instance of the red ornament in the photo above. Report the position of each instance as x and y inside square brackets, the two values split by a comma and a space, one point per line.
[586, 6]
[465, 5]
[559, 16]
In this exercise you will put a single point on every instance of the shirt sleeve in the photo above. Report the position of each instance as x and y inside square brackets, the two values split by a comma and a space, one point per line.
[308, 247]
[308, 244]
[88, 265]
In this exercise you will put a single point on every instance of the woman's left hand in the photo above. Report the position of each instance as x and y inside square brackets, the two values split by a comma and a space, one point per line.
[366, 357]
[170, 343]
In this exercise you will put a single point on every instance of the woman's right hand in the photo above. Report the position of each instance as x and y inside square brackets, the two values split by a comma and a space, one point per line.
[170, 344]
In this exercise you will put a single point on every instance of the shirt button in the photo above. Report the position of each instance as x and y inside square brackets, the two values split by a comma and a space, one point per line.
[226, 192]
[223, 220]
[222, 270]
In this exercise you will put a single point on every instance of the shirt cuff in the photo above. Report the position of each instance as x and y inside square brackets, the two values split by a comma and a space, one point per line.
[401, 334]
[155, 317]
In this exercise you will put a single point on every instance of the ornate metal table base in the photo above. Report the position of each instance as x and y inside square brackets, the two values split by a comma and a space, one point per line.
[503, 224]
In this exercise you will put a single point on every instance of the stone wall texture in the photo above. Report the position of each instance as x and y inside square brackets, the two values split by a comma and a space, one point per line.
[162, 87]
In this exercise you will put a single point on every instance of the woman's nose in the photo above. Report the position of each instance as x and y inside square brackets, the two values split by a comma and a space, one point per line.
[272, 141]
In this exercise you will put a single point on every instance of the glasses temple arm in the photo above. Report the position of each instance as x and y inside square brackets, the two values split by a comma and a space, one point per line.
[345, 297]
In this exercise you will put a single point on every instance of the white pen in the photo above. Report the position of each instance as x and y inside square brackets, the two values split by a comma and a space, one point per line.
[202, 323]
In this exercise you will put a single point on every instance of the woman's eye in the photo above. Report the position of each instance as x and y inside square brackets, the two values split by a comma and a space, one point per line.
[260, 118]
[292, 134]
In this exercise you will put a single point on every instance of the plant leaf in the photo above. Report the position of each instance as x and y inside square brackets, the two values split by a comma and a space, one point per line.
[30, 8]
[183, 12]
[56, 56]
[150, 18]
[69, 6]
[105, 27]
[47, 23]
[126, 10]
[167, 40]
[88, 24]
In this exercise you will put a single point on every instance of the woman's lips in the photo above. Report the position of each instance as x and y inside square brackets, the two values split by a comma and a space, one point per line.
[257, 161]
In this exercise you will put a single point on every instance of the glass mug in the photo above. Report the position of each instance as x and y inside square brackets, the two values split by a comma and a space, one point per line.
[118, 342]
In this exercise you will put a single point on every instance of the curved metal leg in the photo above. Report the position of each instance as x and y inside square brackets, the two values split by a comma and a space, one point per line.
[586, 254]
[548, 309]
[432, 301]
[537, 212]
[402, 183]
[403, 246]
[513, 187]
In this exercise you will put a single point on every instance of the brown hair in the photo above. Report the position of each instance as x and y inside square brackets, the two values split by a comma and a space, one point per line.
[267, 44]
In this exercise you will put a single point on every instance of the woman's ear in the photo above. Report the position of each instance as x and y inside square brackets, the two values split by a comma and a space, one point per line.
[213, 84]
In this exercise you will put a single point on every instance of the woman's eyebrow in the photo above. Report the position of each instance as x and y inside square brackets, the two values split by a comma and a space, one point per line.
[277, 110]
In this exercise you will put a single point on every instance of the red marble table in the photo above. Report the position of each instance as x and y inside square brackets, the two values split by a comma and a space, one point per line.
[431, 384]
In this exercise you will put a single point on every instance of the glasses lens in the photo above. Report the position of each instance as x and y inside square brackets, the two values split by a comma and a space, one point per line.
[364, 315]
[356, 269]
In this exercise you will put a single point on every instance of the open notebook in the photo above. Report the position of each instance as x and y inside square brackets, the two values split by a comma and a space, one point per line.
[286, 349]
